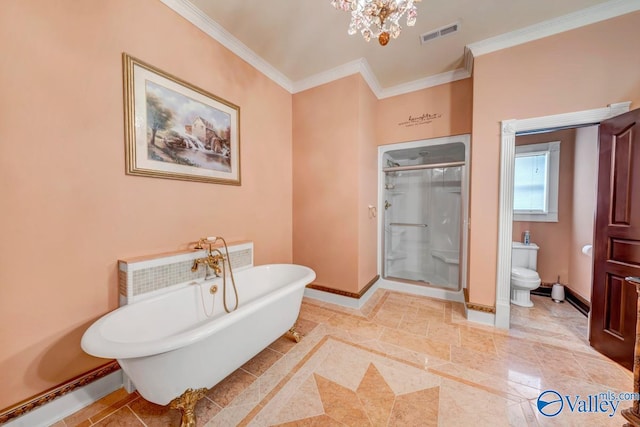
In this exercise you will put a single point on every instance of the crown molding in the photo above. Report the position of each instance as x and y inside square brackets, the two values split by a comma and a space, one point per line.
[571, 21]
[557, 25]
[468, 60]
[360, 66]
[194, 15]
[431, 81]
[427, 82]
[191, 13]
[371, 79]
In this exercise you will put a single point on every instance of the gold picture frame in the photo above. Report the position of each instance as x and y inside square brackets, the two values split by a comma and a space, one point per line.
[175, 130]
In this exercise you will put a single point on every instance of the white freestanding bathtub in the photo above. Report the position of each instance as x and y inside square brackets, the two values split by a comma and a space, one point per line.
[167, 344]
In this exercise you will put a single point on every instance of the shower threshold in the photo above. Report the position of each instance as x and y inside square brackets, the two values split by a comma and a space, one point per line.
[422, 282]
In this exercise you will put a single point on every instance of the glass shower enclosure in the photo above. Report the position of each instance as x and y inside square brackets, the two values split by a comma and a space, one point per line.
[424, 215]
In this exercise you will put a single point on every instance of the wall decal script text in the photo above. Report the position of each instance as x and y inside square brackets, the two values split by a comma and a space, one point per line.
[423, 119]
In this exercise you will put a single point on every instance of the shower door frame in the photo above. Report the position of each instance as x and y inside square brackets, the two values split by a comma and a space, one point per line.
[438, 291]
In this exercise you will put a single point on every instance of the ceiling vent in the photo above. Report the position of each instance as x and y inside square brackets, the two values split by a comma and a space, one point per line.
[441, 32]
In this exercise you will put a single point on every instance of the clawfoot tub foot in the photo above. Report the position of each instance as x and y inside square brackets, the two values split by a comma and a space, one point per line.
[186, 403]
[295, 334]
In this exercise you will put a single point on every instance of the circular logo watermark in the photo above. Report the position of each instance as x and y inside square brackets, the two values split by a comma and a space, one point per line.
[550, 403]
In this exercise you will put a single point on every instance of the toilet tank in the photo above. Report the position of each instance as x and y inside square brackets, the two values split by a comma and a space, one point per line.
[524, 255]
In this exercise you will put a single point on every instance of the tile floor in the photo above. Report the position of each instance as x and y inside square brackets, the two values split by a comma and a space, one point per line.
[401, 360]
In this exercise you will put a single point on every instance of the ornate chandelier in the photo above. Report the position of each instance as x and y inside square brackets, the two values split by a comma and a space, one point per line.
[378, 18]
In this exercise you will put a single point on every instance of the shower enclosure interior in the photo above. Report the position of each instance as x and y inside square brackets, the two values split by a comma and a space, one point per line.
[424, 204]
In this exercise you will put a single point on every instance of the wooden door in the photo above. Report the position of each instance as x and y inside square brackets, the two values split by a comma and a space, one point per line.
[616, 239]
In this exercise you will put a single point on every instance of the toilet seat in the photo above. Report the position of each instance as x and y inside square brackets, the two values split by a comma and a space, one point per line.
[525, 278]
[523, 273]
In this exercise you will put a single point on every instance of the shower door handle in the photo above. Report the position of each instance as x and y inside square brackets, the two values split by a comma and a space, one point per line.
[387, 205]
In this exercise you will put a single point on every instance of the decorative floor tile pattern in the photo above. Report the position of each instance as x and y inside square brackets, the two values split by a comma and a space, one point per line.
[401, 360]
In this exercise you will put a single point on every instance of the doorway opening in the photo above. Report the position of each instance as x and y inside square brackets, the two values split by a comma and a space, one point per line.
[509, 129]
[555, 187]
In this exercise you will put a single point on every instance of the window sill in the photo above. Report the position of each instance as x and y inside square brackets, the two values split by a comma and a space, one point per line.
[548, 217]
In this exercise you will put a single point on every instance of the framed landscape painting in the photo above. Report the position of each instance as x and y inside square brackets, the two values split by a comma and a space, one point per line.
[175, 130]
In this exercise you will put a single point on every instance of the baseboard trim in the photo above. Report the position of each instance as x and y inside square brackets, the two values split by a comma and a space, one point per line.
[479, 313]
[345, 293]
[477, 307]
[582, 305]
[542, 291]
[485, 317]
[481, 308]
[63, 400]
[343, 298]
[333, 291]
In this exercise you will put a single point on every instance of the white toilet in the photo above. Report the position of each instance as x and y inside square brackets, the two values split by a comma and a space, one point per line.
[524, 278]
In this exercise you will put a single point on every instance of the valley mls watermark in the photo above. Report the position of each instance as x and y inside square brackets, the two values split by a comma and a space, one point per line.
[422, 119]
[551, 403]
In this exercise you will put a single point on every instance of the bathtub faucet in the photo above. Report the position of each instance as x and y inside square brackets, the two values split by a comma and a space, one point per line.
[213, 260]
[216, 263]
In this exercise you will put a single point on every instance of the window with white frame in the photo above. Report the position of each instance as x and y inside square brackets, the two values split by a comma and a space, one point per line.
[536, 176]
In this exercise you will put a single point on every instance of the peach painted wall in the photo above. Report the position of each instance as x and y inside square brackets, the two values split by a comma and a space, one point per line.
[584, 206]
[453, 101]
[367, 186]
[554, 238]
[68, 209]
[336, 132]
[589, 67]
[325, 182]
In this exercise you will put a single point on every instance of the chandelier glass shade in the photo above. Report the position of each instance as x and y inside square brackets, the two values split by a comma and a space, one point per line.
[378, 18]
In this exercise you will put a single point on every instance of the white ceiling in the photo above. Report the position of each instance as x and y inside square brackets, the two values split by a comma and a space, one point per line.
[300, 41]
